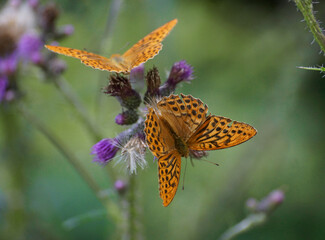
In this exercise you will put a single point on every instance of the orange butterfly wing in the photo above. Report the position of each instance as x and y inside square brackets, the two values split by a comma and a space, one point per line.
[149, 46]
[184, 114]
[160, 143]
[220, 132]
[88, 58]
[169, 171]
[155, 137]
[142, 51]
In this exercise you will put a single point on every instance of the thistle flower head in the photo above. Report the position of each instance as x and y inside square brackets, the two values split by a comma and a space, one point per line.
[133, 154]
[68, 29]
[267, 204]
[153, 83]
[17, 19]
[120, 186]
[33, 3]
[8, 64]
[198, 154]
[105, 150]
[29, 48]
[120, 87]
[3, 87]
[180, 72]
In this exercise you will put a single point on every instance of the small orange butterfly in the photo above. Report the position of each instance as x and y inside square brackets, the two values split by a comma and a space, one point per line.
[142, 51]
[175, 127]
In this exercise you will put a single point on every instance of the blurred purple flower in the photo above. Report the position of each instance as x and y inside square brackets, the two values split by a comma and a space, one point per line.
[3, 87]
[271, 201]
[33, 3]
[68, 29]
[29, 48]
[268, 203]
[8, 64]
[105, 150]
[120, 186]
[15, 3]
[56, 66]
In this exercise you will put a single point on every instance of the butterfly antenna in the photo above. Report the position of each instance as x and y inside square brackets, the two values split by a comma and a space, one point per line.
[184, 174]
[210, 162]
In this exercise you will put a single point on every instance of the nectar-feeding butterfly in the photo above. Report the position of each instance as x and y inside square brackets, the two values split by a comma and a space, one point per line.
[178, 127]
[147, 48]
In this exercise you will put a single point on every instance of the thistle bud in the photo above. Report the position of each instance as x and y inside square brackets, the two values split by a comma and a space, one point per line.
[120, 87]
[153, 84]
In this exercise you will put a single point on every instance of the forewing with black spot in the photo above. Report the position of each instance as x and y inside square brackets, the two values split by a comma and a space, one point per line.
[184, 114]
[155, 139]
[220, 132]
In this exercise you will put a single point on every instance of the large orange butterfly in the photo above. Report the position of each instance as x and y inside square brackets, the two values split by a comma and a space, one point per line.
[175, 127]
[142, 51]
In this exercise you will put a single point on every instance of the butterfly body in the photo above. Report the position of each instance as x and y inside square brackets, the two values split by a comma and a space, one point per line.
[179, 143]
[145, 49]
[176, 127]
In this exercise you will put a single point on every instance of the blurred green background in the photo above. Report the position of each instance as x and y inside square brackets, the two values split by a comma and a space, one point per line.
[245, 55]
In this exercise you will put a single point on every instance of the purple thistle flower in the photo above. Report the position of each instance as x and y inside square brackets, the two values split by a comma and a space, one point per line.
[29, 48]
[68, 29]
[105, 150]
[33, 3]
[3, 87]
[120, 186]
[180, 72]
[268, 204]
[15, 3]
[8, 64]
[56, 66]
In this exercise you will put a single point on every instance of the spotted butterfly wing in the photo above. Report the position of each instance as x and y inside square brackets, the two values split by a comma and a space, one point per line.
[160, 143]
[184, 115]
[220, 132]
[169, 171]
[142, 51]
[149, 46]
[177, 125]
[90, 59]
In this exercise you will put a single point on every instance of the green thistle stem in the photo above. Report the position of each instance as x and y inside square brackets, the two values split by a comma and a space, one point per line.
[306, 8]
[72, 98]
[246, 224]
[83, 114]
[112, 208]
[14, 161]
[132, 208]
